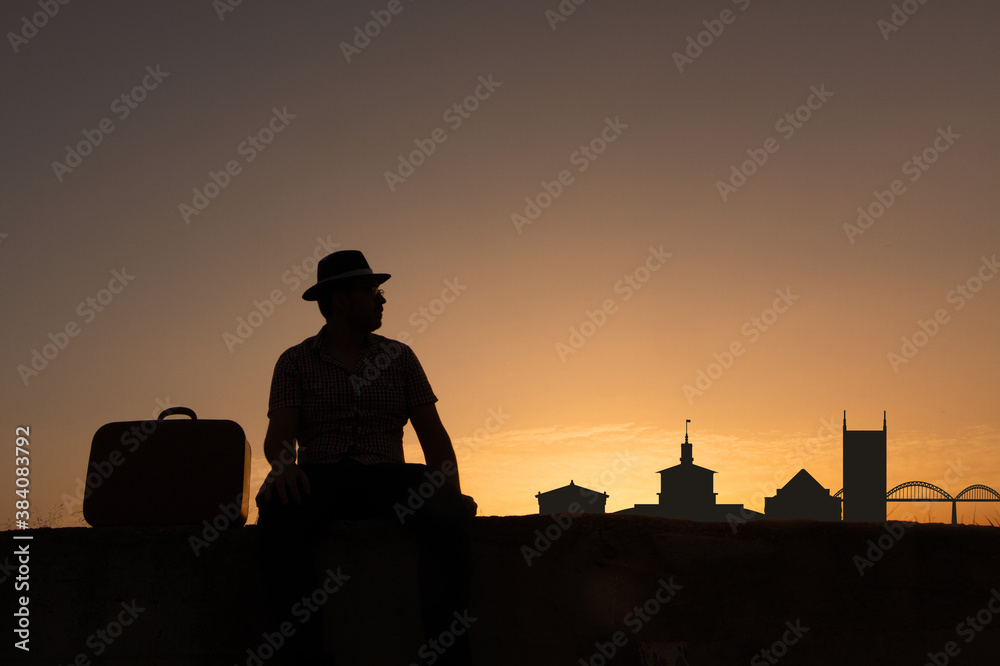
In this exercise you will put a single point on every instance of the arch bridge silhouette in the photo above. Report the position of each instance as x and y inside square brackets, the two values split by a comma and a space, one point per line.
[921, 491]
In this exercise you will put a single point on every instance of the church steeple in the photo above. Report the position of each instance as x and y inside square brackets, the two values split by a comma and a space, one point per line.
[686, 457]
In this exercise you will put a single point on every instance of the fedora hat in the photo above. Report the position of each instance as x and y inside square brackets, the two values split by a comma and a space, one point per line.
[340, 265]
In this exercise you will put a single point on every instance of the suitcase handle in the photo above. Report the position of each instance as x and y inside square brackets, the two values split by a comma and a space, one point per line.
[187, 411]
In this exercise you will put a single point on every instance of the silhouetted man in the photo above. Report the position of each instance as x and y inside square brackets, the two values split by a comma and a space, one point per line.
[344, 395]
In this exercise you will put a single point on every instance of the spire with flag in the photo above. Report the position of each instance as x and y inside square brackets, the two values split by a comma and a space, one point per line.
[686, 456]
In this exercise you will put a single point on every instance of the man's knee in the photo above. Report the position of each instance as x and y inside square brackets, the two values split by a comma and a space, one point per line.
[275, 517]
[445, 509]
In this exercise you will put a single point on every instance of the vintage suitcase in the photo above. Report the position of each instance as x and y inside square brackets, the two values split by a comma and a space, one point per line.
[168, 472]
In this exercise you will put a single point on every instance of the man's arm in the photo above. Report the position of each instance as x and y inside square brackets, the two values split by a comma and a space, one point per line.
[434, 440]
[436, 443]
[285, 478]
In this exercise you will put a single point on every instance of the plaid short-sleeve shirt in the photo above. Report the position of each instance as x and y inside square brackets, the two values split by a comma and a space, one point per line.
[344, 414]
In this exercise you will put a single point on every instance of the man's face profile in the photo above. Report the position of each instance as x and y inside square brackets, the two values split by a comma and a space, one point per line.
[360, 303]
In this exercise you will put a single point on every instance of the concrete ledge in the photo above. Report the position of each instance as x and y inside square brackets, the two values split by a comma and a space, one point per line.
[737, 593]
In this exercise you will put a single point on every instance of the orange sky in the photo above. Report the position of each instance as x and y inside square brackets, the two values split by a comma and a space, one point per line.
[623, 154]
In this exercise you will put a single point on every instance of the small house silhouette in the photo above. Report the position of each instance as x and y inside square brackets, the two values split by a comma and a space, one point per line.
[562, 500]
[803, 498]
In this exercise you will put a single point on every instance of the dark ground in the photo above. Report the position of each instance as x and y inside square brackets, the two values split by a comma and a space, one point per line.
[727, 593]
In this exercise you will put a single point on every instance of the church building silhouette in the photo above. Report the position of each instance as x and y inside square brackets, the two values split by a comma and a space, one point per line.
[687, 492]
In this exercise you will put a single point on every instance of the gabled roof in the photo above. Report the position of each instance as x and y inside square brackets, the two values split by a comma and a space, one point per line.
[692, 466]
[573, 488]
[803, 481]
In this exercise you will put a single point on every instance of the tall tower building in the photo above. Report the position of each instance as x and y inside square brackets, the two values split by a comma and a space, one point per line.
[864, 473]
[686, 490]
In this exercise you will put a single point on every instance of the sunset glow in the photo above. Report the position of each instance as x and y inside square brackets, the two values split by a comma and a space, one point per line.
[590, 238]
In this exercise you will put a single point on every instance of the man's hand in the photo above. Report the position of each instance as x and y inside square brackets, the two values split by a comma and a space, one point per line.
[287, 482]
[286, 479]
[471, 505]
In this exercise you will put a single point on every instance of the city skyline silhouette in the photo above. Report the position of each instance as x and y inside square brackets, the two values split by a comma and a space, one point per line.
[687, 490]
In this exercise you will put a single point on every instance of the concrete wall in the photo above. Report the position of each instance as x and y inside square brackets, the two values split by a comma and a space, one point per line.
[739, 592]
